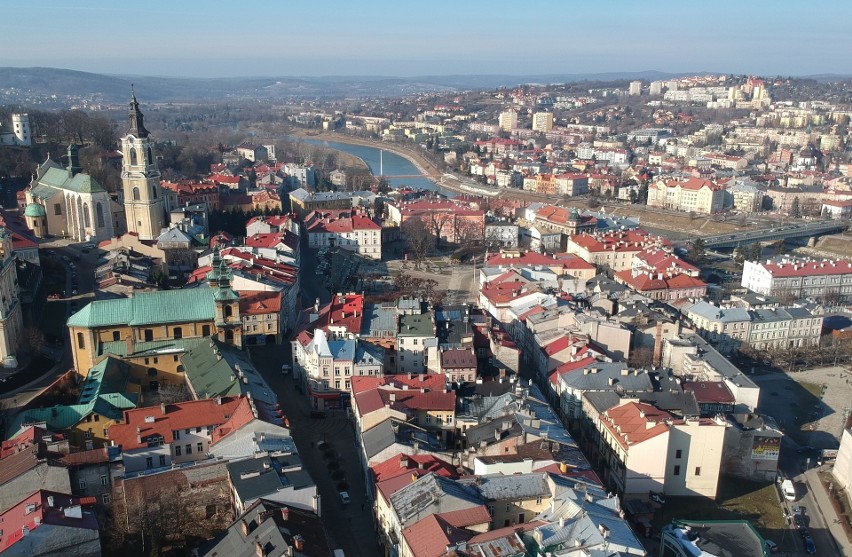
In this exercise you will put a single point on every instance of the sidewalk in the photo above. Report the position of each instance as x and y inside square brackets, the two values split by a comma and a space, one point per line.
[826, 510]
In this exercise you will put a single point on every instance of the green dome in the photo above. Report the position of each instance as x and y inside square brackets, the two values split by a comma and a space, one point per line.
[34, 210]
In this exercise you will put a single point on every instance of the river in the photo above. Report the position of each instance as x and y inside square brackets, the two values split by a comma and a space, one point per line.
[390, 164]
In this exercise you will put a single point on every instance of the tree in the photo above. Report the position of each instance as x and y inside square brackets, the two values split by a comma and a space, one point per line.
[778, 248]
[697, 251]
[419, 240]
[32, 339]
[641, 357]
[795, 210]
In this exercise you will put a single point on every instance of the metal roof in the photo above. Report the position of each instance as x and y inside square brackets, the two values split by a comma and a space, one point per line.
[148, 308]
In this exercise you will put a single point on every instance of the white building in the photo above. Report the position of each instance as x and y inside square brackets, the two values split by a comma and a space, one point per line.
[790, 278]
[350, 229]
[508, 120]
[20, 135]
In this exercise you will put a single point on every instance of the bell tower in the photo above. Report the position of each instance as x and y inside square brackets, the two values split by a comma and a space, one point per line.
[140, 178]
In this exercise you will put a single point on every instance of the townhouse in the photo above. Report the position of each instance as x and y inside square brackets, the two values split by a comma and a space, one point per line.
[351, 229]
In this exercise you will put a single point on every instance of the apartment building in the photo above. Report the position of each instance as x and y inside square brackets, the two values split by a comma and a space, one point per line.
[542, 121]
[350, 229]
[613, 249]
[827, 279]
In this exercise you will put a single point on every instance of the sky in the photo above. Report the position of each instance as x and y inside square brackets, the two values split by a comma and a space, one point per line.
[215, 38]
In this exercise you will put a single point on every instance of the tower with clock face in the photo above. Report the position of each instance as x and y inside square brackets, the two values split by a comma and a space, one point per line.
[140, 178]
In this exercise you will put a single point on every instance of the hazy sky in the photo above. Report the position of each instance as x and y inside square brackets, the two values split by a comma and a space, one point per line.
[213, 38]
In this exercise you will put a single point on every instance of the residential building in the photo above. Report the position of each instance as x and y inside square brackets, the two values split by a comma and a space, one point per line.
[275, 529]
[746, 195]
[459, 365]
[542, 122]
[157, 437]
[90, 473]
[28, 467]
[670, 285]
[350, 229]
[20, 134]
[263, 317]
[635, 88]
[633, 439]
[11, 320]
[508, 120]
[450, 220]
[279, 478]
[415, 334]
[47, 523]
[613, 249]
[837, 209]
[303, 202]
[842, 470]
[791, 279]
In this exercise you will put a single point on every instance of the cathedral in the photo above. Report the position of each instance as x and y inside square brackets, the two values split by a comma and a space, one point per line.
[65, 201]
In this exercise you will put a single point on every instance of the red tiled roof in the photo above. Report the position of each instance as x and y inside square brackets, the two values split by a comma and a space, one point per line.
[619, 240]
[93, 456]
[263, 240]
[635, 422]
[243, 414]
[29, 437]
[430, 536]
[257, 302]
[808, 268]
[36, 512]
[403, 465]
[340, 221]
[465, 518]
[155, 422]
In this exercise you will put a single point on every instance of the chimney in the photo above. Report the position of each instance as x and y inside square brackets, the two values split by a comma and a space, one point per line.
[298, 543]
[244, 527]
[50, 501]
[139, 435]
[285, 514]
[219, 400]
[163, 408]
[128, 342]
[403, 462]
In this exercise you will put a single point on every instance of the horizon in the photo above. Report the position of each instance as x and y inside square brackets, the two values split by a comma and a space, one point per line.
[386, 39]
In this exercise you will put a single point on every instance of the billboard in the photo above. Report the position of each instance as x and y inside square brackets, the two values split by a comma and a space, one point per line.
[766, 448]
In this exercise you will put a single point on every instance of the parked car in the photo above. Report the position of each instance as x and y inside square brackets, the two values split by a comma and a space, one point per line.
[771, 546]
[344, 498]
[286, 368]
[810, 547]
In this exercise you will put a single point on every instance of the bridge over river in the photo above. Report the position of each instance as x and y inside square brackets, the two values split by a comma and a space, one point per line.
[782, 232]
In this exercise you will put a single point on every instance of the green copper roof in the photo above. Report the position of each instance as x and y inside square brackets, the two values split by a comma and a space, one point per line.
[42, 191]
[210, 376]
[148, 308]
[61, 179]
[103, 391]
[34, 210]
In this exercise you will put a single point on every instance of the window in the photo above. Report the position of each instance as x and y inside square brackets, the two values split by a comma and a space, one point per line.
[133, 158]
[678, 453]
[149, 462]
[538, 500]
[677, 470]
[508, 507]
[177, 333]
[104, 480]
[491, 510]
[136, 195]
[149, 335]
[83, 484]
[81, 343]
[57, 209]
[105, 498]
[188, 449]
[150, 156]
[698, 470]
[188, 431]
[229, 311]
[176, 434]
[116, 336]
[200, 447]
[197, 430]
[99, 214]
[87, 434]
[177, 450]
[97, 417]
[205, 330]
[415, 341]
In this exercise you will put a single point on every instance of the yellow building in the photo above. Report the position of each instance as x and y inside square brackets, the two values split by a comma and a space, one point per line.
[107, 391]
[151, 330]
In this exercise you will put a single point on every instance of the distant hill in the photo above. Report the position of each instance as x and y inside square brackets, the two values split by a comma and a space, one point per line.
[111, 88]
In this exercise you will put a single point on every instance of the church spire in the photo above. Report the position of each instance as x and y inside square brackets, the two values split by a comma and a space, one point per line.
[137, 127]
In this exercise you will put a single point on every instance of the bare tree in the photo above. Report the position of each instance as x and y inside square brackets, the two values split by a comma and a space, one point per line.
[419, 240]
[32, 339]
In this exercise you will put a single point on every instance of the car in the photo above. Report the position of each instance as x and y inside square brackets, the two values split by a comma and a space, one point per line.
[286, 368]
[800, 522]
[321, 445]
[771, 546]
[810, 547]
[344, 498]
[74, 292]
[657, 497]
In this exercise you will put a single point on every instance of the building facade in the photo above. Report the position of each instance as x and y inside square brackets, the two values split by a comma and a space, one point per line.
[140, 177]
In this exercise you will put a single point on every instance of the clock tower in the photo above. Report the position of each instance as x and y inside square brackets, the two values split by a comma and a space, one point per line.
[140, 178]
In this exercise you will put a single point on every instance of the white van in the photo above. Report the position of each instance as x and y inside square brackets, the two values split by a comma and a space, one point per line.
[339, 553]
[789, 490]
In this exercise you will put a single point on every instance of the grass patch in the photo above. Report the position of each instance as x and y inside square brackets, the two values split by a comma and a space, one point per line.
[736, 500]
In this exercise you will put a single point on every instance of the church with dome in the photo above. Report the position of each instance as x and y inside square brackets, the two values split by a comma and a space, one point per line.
[65, 201]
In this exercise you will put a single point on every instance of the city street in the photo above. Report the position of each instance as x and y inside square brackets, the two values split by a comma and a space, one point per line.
[349, 527]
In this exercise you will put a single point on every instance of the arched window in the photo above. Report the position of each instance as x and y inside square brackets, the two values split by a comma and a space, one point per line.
[229, 311]
[87, 221]
[150, 156]
[153, 192]
[133, 157]
[99, 209]
[229, 336]
[136, 194]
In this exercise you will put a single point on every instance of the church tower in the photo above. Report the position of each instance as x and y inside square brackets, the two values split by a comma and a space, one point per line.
[140, 178]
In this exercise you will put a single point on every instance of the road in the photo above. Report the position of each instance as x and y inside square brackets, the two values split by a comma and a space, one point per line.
[349, 527]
